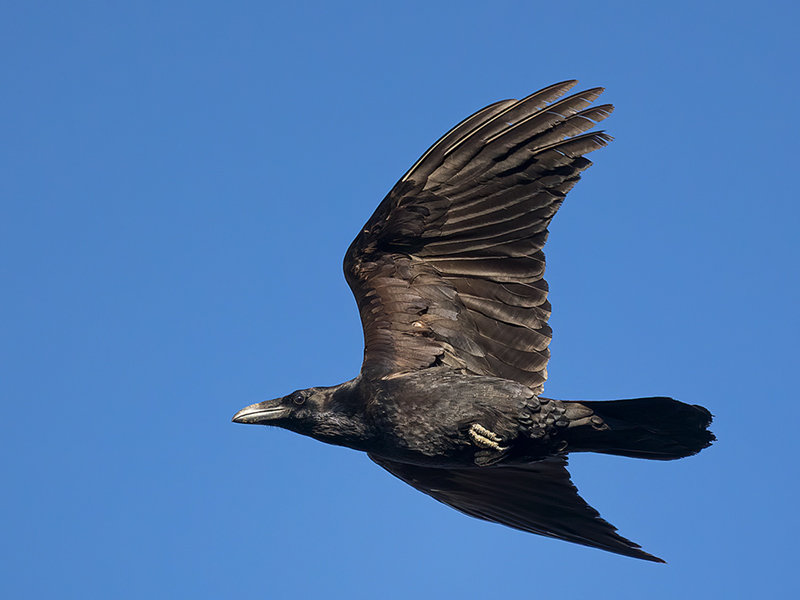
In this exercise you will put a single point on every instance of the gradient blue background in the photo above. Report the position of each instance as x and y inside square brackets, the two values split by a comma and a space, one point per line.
[179, 182]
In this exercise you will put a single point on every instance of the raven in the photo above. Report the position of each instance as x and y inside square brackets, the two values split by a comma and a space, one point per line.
[448, 277]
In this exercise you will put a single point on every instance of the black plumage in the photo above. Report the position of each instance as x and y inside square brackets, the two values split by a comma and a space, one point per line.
[448, 277]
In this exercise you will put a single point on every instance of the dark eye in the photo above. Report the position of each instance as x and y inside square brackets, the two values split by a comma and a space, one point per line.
[298, 398]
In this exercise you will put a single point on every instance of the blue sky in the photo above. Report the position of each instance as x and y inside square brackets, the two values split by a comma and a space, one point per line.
[178, 184]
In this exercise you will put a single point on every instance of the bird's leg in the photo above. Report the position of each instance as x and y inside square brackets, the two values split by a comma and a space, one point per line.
[488, 440]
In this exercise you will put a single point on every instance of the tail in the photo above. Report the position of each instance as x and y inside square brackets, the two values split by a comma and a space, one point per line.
[654, 428]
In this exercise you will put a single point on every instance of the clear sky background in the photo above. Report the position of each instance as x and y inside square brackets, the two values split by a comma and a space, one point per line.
[178, 184]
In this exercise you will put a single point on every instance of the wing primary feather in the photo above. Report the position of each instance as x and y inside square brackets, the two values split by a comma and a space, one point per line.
[461, 130]
[533, 102]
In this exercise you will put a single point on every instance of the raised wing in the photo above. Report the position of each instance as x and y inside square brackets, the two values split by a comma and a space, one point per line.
[538, 498]
[449, 269]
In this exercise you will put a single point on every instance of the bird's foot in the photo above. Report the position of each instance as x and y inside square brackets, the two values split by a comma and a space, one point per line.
[485, 438]
[488, 440]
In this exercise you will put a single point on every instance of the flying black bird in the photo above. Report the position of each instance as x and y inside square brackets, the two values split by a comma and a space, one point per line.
[448, 277]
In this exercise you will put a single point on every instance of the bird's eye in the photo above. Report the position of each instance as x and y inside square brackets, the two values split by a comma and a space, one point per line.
[298, 398]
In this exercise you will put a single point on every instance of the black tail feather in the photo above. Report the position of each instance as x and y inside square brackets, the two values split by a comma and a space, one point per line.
[655, 428]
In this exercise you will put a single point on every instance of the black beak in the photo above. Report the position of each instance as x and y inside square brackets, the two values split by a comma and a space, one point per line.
[261, 413]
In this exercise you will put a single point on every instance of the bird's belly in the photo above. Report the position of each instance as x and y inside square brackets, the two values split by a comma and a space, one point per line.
[441, 438]
[427, 454]
[419, 443]
[425, 435]
[446, 419]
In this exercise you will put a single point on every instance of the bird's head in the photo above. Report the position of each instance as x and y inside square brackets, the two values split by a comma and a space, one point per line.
[298, 406]
[329, 414]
